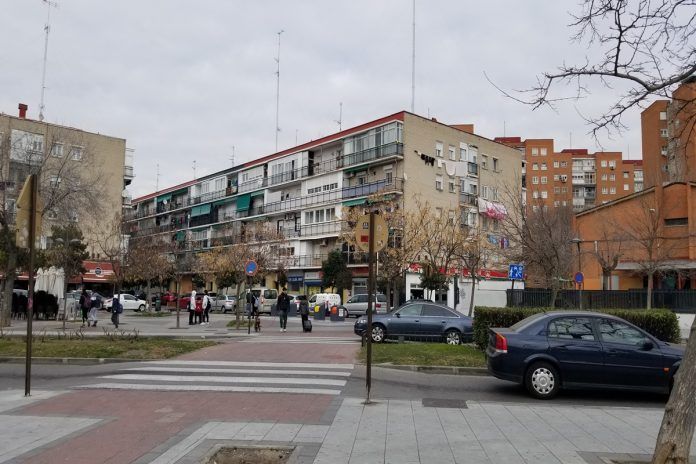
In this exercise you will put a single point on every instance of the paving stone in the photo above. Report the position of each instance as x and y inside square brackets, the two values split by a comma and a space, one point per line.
[312, 433]
[283, 432]
[254, 431]
[401, 443]
[432, 440]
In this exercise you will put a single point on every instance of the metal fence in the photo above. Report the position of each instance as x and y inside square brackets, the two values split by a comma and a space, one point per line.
[676, 300]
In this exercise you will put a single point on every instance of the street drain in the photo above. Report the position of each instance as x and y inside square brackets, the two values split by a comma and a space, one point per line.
[242, 455]
[444, 403]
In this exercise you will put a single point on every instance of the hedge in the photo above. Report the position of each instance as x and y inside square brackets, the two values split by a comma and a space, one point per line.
[660, 323]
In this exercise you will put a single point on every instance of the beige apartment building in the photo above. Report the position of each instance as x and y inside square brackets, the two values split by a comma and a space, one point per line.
[303, 192]
[66, 159]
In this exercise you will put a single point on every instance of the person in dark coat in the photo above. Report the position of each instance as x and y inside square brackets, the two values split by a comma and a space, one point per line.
[283, 303]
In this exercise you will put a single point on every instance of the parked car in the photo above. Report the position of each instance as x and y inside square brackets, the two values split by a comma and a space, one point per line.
[268, 297]
[567, 349]
[357, 304]
[419, 320]
[333, 299]
[183, 300]
[128, 302]
[224, 303]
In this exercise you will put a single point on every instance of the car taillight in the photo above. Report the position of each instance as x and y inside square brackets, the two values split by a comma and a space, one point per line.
[500, 343]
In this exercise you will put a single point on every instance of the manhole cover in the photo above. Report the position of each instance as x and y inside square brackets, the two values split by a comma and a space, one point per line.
[240, 455]
[444, 403]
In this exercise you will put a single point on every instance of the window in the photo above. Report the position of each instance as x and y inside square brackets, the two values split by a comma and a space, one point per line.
[452, 153]
[535, 151]
[612, 177]
[438, 149]
[544, 194]
[677, 222]
[57, 150]
[663, 115]
[76, 153]
[565, 203]
[564, 164]
[663, 133]
[52, 215]
[205, 187]
[493, 193]
[543, 166]
[626, 187]
[436, 311]
[604, 177]
[612, 191]
[73, 216]
[462, 152]
[556, 190]
[309, 217]
[663, 150]
[535, 208]
[535, 166]
[571, 328]
[411, 310]
[604, 163]
[452, 187]
[543, 179]
[55, 181]
[219, 184]
[605, 190]
[564, 189]
[438, 212]
[438, 182]
[542, 151]
[556, 164]
[319, 216]
[535, 194]
[535, 180]
[484, 191]
[496, 165]
[556, 177]
[625, 174]
[450, 217]
[612, 164]
[484, 161]
[613, 331]
[389, 176]
[556, 204]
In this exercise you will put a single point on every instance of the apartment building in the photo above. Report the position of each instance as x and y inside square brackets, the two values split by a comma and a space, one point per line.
[302, 192]
[68, 156]
[574, 177]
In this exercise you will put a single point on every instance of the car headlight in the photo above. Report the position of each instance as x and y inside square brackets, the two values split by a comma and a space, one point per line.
[362, 321]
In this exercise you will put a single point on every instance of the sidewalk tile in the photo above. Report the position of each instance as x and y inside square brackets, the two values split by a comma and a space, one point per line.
[431, 438]
[370, 441]
[283, 432]
[312, 433]
[254, 431]
[225, 430]
[401, 445]
[181, 449]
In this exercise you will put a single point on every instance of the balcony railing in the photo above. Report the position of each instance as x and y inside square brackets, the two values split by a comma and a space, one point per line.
[472, 168]
[128, 171]
[468, 199]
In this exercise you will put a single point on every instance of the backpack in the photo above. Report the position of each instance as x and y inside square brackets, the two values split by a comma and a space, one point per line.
[209, 305]
[199, 306]
[117, 306]
[85, 302]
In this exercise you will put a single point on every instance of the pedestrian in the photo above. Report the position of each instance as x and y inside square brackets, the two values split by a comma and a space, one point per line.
[116, 309]
[206, 308]
[93, 312]
[85, 305]
[192, 306]
[283, 303]
[304, 314]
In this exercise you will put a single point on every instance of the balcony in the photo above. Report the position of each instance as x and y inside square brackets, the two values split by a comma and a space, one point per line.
[370, 154]
[472, 169]
[300, 261]
[128, 172]
[468, 199]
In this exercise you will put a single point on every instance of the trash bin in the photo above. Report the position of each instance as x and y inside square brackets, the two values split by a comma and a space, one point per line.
[158, 304]
[318, 313]
[337, 314]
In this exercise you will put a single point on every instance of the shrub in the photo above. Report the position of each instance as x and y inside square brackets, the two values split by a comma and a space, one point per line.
[660, 323]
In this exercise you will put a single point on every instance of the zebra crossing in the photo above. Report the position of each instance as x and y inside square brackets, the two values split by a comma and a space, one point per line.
[303, 339]
[229, 376]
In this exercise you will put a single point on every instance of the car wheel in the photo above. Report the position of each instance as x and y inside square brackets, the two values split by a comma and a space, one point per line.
[377, 333]
[141, 308]
[453, 337]
[542, 380]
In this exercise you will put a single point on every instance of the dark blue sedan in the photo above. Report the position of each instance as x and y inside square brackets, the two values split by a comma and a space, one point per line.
[422, 320]
[562, 349]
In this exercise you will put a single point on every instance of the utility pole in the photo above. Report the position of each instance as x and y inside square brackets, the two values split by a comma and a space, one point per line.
[277, 125]
[339, 121]
[370, 299]
[47, 29]
[33, 178]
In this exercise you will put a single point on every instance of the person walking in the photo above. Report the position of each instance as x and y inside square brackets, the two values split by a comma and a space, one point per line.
[207, 304]
[283, 303]
[85, 305]
[116, 309]
[192, 306]
[93, 312]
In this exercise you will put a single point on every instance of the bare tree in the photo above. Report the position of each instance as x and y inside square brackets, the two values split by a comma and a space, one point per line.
[473, 255]
[608, 250]
[114, 245]
[68, 185]
[149, 260]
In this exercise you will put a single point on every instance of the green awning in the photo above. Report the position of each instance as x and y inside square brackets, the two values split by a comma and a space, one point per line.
[257, 194]
[180, 236]
[357, 169]
[361, 201]
[243, 202]
[200, 210]
[165, 197]
[223, 202]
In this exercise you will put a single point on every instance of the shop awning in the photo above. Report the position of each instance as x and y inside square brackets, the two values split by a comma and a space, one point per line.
[360, 201]
[223, 202]
[200, 210]
[163, 198]
[355, 169]
[257, 194]
[243, 202]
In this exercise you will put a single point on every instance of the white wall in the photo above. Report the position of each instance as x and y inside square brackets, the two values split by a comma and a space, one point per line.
[685, 321]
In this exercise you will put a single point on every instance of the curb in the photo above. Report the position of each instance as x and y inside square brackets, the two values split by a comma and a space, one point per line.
[76, 361]
[446, 370]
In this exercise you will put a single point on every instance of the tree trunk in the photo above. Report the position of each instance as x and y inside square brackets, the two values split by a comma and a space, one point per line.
[650, 285]
[473, 289]
[606, 277]
[148, 302]
[554, 293]
[176, 300]
[677, 429]
[389, 298]
[10, 270]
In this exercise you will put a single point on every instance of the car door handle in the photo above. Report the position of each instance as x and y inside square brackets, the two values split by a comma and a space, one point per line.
[416, 320]
[444, 322]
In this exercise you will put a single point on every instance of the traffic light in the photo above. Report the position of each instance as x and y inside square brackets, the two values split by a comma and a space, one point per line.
[23, 214]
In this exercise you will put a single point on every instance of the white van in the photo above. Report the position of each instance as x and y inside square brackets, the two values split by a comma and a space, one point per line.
[334, 299]
[268, 297]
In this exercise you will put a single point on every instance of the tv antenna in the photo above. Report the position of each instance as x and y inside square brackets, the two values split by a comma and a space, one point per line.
[232, 157]
[277, 128]
[413, 61]
[194, 169]
[339, 121]
[157, 181]
[47, 29]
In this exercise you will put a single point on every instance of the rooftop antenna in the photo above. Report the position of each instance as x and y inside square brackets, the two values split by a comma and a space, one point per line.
[277, 128]
[157, 181]
[47, 29]
[194, 169]
[413, 61]
[232, 157]
[571, 140]
[339, 121]
[504, 129]
[297, 132]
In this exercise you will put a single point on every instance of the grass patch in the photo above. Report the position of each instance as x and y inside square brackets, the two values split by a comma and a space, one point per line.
[426, 354]
[243, 324]
[150, 314]
[102, 347]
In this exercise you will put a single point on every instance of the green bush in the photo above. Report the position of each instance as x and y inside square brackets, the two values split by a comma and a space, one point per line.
[660, 323]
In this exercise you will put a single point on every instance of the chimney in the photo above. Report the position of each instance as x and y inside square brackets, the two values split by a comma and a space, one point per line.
[23, 110]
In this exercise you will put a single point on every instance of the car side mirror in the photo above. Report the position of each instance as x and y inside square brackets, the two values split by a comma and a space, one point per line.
[647, 346]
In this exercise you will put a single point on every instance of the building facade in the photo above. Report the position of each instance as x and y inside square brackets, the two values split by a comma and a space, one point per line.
[304, 191]
[65, 158]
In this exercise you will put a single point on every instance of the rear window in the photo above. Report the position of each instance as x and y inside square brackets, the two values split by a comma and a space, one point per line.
[301, 297]
[525, 322]
[270, 294]
[382, 298]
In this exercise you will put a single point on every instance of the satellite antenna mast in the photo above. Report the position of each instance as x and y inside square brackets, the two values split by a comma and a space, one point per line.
[194, 169]
[339, 121]
[47, 29]
[157, 181]
[413, 62]
[277, 128]
[232, 157]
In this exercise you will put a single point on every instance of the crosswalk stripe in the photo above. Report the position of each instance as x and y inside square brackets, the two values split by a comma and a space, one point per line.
[177, 362]
[239, 371]
[217, 379]
[210, 388]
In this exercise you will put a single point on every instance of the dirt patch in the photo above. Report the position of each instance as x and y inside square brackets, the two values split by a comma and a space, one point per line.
[237, 455]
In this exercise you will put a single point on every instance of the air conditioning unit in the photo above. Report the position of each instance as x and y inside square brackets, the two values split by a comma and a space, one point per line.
[564, 178]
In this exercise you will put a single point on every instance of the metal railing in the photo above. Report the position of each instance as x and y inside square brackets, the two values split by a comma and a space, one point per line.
[468, 199]
[472, 168]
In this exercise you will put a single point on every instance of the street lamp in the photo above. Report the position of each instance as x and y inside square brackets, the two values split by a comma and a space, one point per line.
[577, 241]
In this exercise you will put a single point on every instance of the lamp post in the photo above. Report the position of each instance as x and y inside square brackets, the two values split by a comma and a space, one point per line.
[577, 241]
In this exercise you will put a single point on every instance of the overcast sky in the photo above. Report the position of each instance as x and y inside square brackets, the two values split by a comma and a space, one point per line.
[188, 80]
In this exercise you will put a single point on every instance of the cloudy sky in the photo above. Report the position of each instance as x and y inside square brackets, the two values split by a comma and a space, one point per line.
[190, 80]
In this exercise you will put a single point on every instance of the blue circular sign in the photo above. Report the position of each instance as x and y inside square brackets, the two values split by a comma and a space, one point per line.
[579, 277]
[97, 271]
[251, 267]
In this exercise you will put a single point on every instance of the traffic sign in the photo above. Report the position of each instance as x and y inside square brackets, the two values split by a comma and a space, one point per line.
[362, 232]
[250, 268]
[578, 277]
[516, 272]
